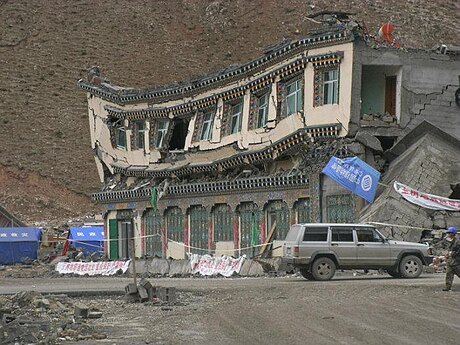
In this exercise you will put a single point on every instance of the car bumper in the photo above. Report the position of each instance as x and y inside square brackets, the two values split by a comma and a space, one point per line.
[295, 261]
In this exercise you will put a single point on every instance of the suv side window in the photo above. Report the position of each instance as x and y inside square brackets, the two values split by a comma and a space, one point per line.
[315, 234]
[342, 234]
[368, 235]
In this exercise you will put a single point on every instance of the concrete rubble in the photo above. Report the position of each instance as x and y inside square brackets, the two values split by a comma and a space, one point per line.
[32, 318]
[144, 291]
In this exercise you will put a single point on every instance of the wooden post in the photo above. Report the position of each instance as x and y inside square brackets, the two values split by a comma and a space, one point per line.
[133, 255]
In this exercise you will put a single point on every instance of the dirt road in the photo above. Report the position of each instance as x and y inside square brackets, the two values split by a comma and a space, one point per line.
[290, 310]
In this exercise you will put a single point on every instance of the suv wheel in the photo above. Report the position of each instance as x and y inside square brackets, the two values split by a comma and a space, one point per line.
[306, 274]
[410, 266]
[323, 269]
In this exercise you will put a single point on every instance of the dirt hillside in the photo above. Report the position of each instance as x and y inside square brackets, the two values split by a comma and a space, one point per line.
[45, 46]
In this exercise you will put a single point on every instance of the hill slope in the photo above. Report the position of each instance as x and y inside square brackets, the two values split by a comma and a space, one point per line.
[46, 46]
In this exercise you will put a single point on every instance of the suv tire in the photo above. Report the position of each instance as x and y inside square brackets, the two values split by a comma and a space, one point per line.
[306, 274]
[323, 269]
[410, 266]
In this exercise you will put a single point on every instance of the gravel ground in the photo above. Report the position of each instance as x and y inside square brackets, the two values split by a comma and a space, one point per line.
[288, 310]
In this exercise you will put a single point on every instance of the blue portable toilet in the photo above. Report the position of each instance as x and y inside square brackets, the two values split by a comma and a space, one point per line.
[89, 239]
[19, 245]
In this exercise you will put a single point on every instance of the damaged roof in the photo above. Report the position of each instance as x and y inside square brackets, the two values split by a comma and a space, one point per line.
[273, 54]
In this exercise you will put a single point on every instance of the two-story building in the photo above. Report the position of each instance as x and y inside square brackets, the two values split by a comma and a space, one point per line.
[225, 161]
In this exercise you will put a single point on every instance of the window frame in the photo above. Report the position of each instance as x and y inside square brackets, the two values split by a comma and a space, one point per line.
[334, 89]
[236, 115]
[209, 123]
[298, 97]
[119, 130]
[376, 235]
[326, 228]
[139, 134]
[263, 107]
[163, 131]
[338, 229]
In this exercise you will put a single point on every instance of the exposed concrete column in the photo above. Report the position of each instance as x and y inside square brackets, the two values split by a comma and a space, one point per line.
[138, 232]
[216, 132]
[272, 103]
[128, 134]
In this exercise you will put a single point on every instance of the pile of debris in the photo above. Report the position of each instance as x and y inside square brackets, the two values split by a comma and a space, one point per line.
[31, 318]
[377, 119]
[146, 292]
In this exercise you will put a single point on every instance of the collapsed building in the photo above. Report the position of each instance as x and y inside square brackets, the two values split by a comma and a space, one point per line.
[230, 160]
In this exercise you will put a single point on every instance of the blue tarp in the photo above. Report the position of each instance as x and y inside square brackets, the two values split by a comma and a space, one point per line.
[89, 238]
[19, 245]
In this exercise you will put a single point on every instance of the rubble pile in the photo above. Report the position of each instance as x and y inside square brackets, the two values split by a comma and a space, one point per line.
[146, 292]
[378, 120]
[32, 318]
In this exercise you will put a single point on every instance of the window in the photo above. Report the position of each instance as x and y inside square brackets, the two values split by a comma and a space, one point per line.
[206, 129]
[368, 235]
[262, 110]
[121, 137]
[294, 97]
[331, 86]
[161, 133]
[315, 234]
[342, 235]
[138, 132]
[235, 118]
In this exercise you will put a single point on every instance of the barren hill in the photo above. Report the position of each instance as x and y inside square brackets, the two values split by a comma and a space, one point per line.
[45, 46]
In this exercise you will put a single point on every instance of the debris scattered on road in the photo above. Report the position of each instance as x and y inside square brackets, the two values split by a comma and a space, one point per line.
[146, 292]
[31, 318]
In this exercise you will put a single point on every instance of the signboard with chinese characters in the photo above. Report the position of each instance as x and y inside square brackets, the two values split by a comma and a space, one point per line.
[433, 202]
[355, 175]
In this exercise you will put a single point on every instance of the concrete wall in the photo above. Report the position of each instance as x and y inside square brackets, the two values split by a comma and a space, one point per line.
[428, 85]
[429, 165]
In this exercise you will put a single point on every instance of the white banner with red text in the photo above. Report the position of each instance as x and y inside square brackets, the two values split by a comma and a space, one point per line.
[105, 268]
[433, 202]
[208, 265]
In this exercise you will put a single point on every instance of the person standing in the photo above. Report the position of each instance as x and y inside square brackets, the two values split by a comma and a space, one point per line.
[453, 257]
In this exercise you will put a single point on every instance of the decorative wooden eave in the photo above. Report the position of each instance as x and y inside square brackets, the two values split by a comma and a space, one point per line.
[173, 92]
[268, 153]
[189, 107]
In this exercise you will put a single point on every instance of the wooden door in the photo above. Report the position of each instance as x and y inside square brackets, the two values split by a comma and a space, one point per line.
[390, 95]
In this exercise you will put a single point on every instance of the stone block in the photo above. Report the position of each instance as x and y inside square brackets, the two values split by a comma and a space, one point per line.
[388, 119]
[251, 268]
[367, 117]
[81, 310]
[168, 294]
[158, 267]
[143, 294]
[94, 314]
[131, 289]
[179, 268]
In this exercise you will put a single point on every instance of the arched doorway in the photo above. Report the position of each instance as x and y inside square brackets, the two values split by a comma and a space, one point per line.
[249, 215]
[277, 212]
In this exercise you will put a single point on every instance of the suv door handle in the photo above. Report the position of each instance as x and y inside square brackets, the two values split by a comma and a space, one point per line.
[360, 245]
[334, 244]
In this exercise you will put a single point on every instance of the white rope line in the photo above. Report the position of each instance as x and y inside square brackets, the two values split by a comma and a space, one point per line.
[399, 226]
[168, 239]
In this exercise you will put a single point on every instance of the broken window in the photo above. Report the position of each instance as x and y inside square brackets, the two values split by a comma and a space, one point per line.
[138, 135]
[236, 113]
[162, 130]
[206, 129]
[331, 87]
[179, 134]
[294, 97]
[262, 110]
[120, 135]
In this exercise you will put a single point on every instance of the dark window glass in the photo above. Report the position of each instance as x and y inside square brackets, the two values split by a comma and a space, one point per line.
[318, 234]
[342, 235]
[368, 235]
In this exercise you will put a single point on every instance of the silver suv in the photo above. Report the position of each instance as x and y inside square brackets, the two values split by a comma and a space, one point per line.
[319, 249]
